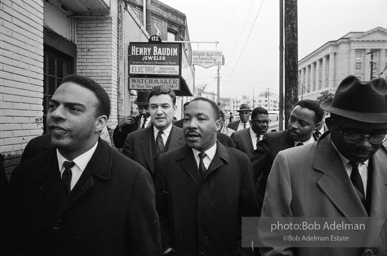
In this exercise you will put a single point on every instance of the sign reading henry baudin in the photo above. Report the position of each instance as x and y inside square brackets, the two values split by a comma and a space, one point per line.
[207, 59]
[162, 59]
[150, 82]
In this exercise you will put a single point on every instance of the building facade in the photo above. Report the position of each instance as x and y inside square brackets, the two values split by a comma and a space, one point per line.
[363, 54]
[43, 41]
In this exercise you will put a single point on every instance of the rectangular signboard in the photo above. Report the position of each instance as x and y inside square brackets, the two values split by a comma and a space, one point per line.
[207, 58]
[154, 59]
[154, 70]
[150, 82]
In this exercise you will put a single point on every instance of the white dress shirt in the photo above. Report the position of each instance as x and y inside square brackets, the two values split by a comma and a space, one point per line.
[310, 141]
[363, 169]
[80, 164]
[254, 138]
[165, 134]
[210, 153]
[241, 125]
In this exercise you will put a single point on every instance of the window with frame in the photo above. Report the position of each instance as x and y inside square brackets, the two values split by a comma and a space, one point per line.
[171, 36]
[57, 65]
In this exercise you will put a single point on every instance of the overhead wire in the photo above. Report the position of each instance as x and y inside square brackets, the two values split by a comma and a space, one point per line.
[248, 37]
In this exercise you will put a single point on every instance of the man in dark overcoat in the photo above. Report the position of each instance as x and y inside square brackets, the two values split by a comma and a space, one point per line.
[203, 189]
[82, 197]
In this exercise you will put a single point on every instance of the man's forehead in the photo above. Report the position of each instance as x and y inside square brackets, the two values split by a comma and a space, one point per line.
[244, 112]
[162, 98]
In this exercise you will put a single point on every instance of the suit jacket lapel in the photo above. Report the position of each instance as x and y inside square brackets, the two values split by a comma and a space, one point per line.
[146, 146]
[99, 166]
[335, 182]
[248, 139]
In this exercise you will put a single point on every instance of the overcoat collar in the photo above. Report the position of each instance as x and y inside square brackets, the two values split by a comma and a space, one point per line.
[188, 163]
[336, 184]
[99, 167]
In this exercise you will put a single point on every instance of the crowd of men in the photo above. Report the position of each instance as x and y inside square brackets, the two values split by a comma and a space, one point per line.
[182, 187]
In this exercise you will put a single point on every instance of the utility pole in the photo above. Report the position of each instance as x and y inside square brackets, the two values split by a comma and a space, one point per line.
[268, 99]
[291, 57]
[372, 63]
[281, 66]
[218, 86]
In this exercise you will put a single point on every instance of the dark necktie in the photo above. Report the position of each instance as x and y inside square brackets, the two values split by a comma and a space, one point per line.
[244, 125]
[258, 139]
[356, 178]
[144, 122]
[299, 144]
[202, 167]
[66, 176]
[159, 143]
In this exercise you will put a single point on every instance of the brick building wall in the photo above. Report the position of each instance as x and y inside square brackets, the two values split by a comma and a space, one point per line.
[97, 52]
[21, 76]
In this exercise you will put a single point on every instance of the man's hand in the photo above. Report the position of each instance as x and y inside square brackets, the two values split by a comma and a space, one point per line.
[128, 120]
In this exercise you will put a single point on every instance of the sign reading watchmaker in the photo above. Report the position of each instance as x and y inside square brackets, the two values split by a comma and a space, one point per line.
[147, 83]
[161, 59]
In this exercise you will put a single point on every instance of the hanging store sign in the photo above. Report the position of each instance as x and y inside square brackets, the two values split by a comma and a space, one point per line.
[150, 82]
[155, 59]
[207, 59]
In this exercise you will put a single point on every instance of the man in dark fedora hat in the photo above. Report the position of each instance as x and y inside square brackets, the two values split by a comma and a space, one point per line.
[244, 116]
[343, 175]
[130, 124]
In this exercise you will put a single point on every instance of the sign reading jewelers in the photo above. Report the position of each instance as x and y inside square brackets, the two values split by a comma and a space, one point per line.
[154, 63]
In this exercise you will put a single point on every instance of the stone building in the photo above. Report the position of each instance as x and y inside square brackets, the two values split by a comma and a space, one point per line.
[363, 54]
[43, 41]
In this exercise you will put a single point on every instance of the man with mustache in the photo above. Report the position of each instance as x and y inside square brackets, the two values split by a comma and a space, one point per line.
[246, 139]
[82, 197]
[203, 189]
[304, 120]
[144, 146]
[342, 176]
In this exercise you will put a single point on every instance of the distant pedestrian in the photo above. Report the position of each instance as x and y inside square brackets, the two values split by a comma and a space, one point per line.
[223, 128]
[244, 115]
[231, 118]
[203, 189]
[132, 123]
[246, 139]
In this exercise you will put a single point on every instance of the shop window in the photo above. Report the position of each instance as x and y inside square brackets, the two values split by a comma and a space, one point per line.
[57, 65]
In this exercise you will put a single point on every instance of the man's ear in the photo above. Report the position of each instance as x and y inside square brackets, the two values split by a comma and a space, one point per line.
[100, 123]
[217, 124]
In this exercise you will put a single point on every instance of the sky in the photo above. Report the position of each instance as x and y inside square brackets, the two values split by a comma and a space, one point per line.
[248, 36]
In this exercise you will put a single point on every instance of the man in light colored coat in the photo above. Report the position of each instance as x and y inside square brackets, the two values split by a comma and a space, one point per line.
[343, 175]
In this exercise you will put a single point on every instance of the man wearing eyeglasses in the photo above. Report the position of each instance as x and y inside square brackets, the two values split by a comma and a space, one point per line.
[343, 175]
[246, 140]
